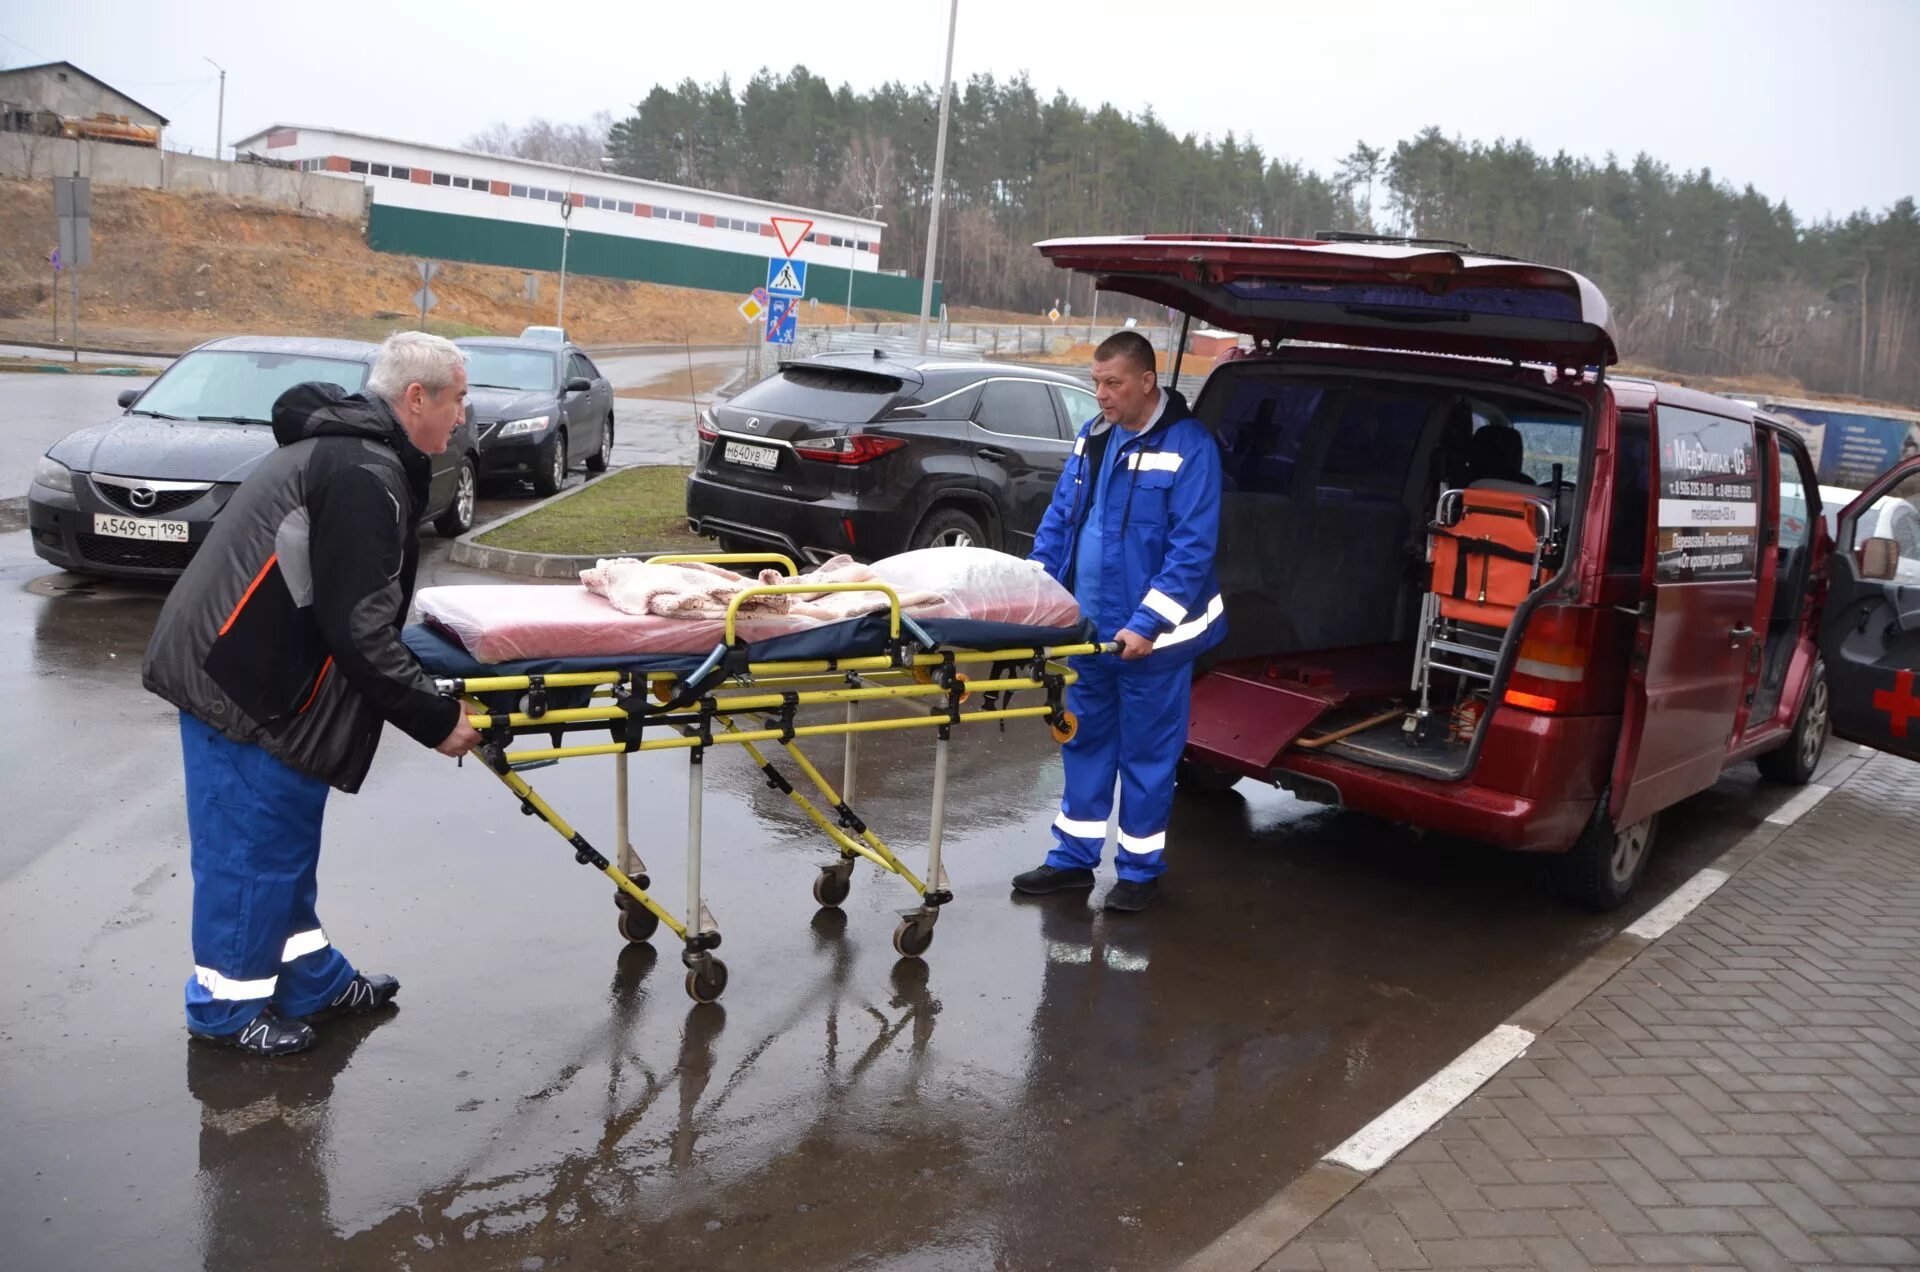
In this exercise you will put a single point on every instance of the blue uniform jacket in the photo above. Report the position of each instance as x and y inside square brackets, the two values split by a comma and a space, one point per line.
[1162, 525]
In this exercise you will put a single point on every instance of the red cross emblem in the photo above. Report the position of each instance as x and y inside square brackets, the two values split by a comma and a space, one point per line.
[1900, 702]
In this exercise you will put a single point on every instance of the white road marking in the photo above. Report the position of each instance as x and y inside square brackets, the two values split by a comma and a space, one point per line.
[1375, 1144]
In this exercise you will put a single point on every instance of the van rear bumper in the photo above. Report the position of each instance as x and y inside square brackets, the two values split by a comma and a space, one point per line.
[1559, 766]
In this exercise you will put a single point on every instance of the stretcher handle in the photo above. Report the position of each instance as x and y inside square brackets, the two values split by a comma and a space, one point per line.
[727, 558]
[795, 589]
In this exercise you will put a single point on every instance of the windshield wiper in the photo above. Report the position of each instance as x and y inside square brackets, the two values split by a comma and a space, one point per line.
[158, 415]
[230, 419]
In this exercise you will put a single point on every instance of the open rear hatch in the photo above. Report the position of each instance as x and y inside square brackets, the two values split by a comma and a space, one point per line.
[1370, 295]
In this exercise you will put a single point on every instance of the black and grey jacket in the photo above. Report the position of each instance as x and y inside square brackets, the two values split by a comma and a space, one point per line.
[285, 629]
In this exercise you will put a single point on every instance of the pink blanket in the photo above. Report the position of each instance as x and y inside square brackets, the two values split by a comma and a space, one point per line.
[695, 589]
[504, 622]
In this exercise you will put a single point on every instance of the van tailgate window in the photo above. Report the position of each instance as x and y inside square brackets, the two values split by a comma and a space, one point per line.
[1261, 428]
[1372, 449]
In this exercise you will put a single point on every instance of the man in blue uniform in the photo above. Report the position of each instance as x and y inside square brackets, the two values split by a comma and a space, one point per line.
[1131, 530]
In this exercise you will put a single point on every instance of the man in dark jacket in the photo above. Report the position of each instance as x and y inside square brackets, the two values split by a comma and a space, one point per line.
[281, 647]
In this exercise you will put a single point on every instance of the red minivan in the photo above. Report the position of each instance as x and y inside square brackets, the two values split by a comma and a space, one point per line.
[1477, 584]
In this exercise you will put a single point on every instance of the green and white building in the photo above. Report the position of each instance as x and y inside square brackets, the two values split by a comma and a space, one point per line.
[459, 205]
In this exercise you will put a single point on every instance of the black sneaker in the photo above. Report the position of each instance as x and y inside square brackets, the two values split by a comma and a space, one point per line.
[264, 1035]
[1130, 896]
[1044, 879]
[363, 994]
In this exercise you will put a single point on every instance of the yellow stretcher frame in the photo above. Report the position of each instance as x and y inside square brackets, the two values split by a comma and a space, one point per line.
[766, 698]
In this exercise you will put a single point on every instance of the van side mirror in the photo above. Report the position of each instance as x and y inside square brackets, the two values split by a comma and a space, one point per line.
[578, 385]
[1879, 558]
[129, 396]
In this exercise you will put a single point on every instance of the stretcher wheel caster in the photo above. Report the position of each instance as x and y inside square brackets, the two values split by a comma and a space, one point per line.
[638, 924]
[832, 885]
[912, 937]
[707, 982]
[1065, 728]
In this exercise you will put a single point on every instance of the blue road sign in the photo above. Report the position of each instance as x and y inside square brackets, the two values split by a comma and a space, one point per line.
[782, 322]
[54, 256]
[786, 277]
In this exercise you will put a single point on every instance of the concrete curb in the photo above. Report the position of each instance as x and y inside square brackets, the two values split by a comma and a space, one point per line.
[98, 349]
[55, 368]
[1268, 1230]
[469, 552]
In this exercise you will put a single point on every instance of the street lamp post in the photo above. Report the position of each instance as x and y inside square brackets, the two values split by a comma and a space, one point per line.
[566, 233]
[939, 176]
[219, 119]
[853, 249]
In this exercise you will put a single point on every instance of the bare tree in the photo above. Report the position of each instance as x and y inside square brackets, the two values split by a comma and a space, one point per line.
[544, 141]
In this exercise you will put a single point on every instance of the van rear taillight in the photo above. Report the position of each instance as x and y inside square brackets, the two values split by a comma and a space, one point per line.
[848, 448]
[1554, 672]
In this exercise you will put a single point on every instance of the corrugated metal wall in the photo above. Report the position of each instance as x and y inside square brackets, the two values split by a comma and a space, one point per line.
[480, 241]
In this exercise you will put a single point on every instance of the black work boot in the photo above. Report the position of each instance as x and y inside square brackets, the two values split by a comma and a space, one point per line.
[1130, 896]
[1044, 879]
[363, 994]
[264, 1035]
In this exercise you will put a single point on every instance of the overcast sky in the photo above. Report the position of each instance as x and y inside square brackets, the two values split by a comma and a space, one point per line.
[1816, 102]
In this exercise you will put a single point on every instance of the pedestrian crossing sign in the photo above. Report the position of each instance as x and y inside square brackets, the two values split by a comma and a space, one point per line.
[786, 277]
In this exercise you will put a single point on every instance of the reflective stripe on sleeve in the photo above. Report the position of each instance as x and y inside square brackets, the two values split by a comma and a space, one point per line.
[1195, 627]
[1166, 607]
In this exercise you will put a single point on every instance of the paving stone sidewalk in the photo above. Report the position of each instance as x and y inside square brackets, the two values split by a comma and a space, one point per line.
[1744, 1094]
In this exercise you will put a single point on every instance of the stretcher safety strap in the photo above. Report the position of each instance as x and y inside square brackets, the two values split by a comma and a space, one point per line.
[235, 991]
[301, 944]
[1142, 845]
[1195, 627]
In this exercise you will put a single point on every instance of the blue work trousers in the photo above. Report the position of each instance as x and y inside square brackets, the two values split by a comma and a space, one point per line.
[255, 830]
[1132, 723]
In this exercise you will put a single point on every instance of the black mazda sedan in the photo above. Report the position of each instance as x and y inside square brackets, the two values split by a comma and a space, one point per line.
[136, 496]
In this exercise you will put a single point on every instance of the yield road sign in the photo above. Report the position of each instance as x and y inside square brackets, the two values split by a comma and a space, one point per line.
[791, 231]
[782, 322]
[427, 269]
[785, 277]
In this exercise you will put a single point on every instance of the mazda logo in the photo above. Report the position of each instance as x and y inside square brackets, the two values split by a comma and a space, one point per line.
[142, 496]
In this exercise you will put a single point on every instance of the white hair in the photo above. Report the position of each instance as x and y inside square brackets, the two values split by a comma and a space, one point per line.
[413, 357]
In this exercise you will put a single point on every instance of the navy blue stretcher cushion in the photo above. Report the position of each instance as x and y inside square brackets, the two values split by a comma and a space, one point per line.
[441, 655]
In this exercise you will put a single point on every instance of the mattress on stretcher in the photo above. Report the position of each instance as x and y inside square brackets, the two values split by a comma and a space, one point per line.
[867, 635]
[504, 623]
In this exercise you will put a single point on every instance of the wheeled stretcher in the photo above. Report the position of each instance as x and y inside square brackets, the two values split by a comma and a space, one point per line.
[753, 695]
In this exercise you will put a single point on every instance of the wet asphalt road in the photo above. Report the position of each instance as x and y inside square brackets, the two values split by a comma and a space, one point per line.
[1052, 1087]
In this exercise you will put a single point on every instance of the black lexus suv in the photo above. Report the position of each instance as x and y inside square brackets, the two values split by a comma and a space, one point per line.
[872, 454]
